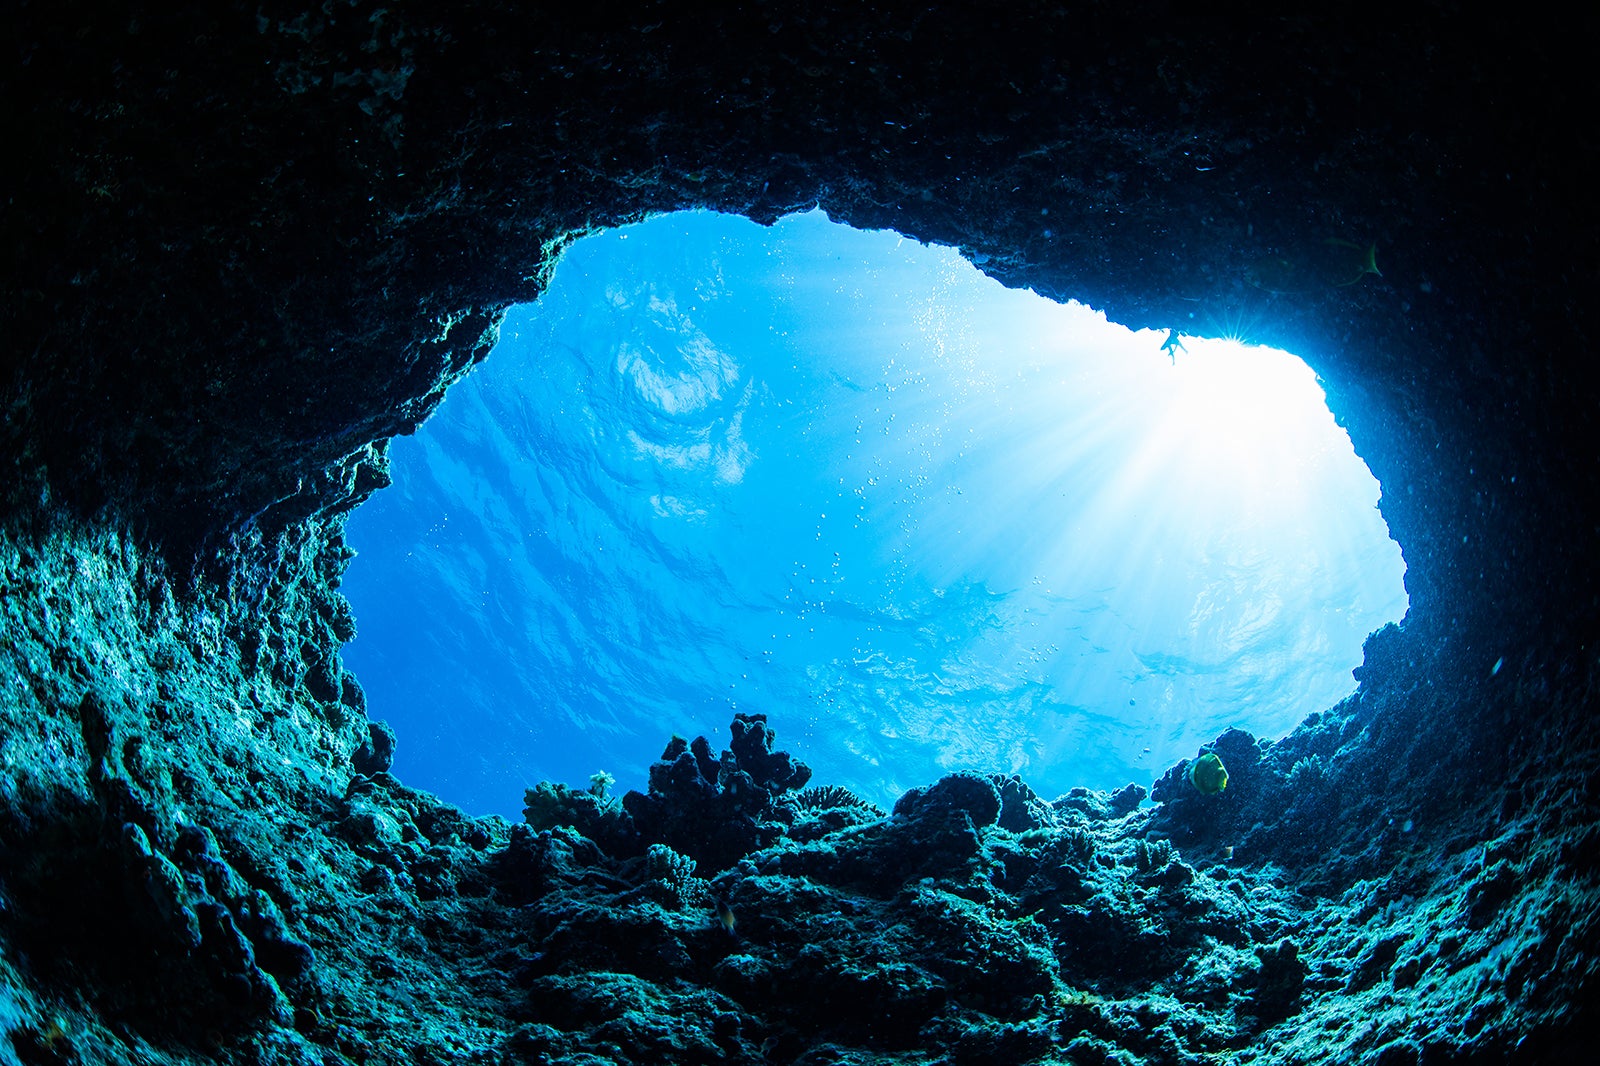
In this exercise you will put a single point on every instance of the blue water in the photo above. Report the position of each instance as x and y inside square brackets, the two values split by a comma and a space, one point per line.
[922, 521]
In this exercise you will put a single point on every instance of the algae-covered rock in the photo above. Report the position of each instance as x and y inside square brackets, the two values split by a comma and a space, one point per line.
[376, 753]
[718, 810]
[967, 796]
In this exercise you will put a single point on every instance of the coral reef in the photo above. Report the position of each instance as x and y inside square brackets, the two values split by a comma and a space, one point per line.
[1296, 916]
[1069, 933]
[717, 810]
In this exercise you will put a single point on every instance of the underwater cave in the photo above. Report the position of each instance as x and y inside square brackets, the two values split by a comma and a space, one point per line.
[248, 248]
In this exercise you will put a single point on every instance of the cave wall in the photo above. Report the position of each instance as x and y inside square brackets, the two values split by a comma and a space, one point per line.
[245, 245]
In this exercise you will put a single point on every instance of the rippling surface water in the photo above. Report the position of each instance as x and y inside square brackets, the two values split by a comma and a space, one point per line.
[923, 522]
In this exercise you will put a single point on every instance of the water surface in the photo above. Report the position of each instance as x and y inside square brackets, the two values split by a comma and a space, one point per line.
[922, 521]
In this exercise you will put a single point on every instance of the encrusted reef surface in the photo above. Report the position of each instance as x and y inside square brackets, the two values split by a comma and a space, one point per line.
[246, 244]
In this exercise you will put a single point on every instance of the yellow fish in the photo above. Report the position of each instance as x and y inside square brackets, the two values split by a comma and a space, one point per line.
[725, 916]
[1208, 775]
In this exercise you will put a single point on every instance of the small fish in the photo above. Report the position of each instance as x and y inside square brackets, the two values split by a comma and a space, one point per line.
[1227, 853]
[725, 917]
[1208, 775]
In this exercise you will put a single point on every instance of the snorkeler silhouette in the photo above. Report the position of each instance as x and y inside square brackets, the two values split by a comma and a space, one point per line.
[1172, 346]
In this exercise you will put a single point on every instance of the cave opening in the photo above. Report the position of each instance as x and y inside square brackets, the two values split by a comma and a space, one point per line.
[923, 521]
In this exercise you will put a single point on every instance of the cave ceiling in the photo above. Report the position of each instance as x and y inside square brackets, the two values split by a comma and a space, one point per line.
[246, 243]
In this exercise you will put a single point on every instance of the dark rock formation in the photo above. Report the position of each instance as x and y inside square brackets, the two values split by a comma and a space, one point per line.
[245, 245]
[376, 753]
[718, 810]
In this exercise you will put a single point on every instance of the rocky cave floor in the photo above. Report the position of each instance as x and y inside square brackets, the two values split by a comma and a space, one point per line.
[187, 874]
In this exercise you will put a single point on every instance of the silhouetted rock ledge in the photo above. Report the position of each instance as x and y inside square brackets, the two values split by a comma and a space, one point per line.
[246, 245]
